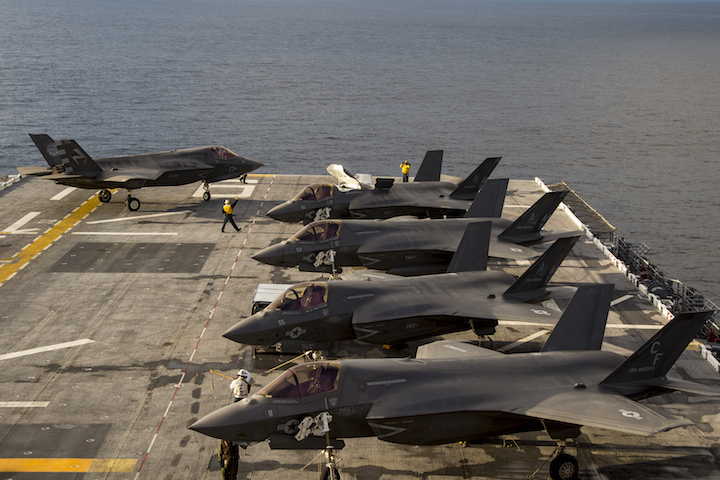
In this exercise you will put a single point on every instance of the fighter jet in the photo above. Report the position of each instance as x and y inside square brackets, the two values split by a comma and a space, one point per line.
[397, 310]
[425, 197]
[411, 246]
[70, 165]
[456, 391]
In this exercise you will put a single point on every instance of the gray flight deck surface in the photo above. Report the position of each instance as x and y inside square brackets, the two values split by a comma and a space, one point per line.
[145, 297]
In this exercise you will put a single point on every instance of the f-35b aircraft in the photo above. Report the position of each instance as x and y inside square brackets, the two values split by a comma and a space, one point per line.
[70, 165]
[456, 391]
[397, 310]
[411, 246]
[425, 197]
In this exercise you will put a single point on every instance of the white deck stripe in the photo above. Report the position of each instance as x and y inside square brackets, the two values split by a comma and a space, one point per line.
[621, 299]
[16, 226]
[124, 219]
[24, 404]
[63, 194]
[49, 348]
[124, 233]
[523, 340]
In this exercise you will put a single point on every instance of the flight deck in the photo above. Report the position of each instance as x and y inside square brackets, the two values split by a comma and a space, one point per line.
[112, 346]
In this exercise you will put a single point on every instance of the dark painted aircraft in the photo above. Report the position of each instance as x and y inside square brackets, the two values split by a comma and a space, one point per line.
[397, 310]
[70, 165]
[425, 197]
[456, 391]
[411, 246]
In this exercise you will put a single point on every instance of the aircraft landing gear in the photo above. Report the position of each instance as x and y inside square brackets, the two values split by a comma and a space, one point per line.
[132, 203]
[206, 193]
[104, 196]
[563, 466]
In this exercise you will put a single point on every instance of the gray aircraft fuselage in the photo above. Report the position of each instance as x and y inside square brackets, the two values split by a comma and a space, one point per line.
[418, 199]
[406, 246]
[391, 311]
[413, 401]
[175, 167]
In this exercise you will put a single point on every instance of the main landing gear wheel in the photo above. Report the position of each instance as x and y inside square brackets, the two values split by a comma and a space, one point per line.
[206, 196]
[104, 196]
[133, 204]
[564, 467]
[330, 474]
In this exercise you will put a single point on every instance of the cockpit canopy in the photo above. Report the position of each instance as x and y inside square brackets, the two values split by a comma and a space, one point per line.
[316, 192]
[222, 153]
[303, 296]
[304, 381]
[318, 231]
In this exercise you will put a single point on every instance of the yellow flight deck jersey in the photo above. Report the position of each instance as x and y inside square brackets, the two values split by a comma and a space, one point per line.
[227, 208]
[405, 168]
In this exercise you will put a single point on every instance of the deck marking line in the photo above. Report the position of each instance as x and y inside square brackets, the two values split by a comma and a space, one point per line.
[523, 340]
[15, 227]
[49, 348]
[621, 299]
[62, 465]
[202, 333]
[24, 404]
[125, 219]
[37, 246]
[63, 194]
[124, 233]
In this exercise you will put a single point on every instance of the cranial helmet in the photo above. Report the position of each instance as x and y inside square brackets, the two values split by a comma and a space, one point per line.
[227, 202]
[244, 374]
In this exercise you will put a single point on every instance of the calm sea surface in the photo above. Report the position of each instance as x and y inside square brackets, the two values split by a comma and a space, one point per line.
[619, 99]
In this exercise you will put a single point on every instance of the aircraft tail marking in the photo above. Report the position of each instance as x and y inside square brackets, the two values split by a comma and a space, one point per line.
[490, 199]
[74, 157]
[656, 357]
[582, 324]
[540, 272]
[469, 187]
[430, 167]
[527, 227]
[472, 253]
[47, 148]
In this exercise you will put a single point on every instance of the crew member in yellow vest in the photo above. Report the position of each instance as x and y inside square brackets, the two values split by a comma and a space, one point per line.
[405, 167]
[228, 211]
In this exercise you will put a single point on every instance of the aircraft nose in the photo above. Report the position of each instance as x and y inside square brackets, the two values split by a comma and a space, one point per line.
[252, 164]
[286, 212]
[274, 255]
[223, 424]
[251, 331]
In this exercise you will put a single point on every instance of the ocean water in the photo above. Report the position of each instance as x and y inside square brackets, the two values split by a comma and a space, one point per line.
[620, 99]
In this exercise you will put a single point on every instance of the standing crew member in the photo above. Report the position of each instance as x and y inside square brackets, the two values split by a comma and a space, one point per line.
[228, 456]
[241, 385]
[405, 167]
[227, 210]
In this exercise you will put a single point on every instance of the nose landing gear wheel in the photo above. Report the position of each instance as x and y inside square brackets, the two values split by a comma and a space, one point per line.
[206, 196]
[104, 196]
[133, 204]
[331, 474]
[564, 467]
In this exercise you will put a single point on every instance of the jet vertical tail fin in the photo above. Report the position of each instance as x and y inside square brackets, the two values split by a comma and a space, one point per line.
[538, 275]
[47, 148]
[74, 157]
[490, 200]
[472, 254]
[527, 227]
[582, 324]
[431, 167]
[469, 187]
[656, 357]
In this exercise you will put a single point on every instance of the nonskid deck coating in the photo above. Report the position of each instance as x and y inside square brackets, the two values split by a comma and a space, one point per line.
[108, 368]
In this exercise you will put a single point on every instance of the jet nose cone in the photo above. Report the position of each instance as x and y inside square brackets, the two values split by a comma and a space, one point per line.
[251, 165]
[273, 255]
[251, 331]
[286, 212]
[223, 424]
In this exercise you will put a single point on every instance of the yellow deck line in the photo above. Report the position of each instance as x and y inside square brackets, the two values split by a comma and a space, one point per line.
[79, 465]
[45, 240]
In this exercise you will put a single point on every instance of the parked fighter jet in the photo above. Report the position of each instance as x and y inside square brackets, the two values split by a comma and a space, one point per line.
[410, 246]
[70, 165]
[425, 197]
[397, 310]
[455, 391]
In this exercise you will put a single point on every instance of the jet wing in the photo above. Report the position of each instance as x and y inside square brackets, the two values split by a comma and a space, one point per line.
[510, 250]
[123, 176]
[403, 241]
[454, 349]
[35, 171]
[603, 410]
